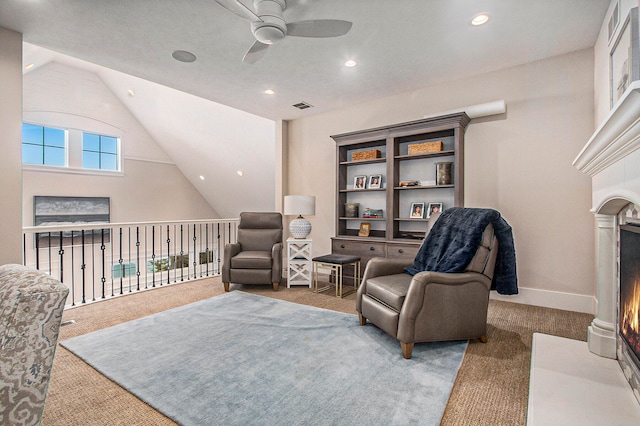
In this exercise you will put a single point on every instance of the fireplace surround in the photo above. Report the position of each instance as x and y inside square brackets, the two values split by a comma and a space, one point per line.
[611, 158]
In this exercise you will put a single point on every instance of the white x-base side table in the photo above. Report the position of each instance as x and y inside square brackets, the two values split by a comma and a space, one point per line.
[299, 261]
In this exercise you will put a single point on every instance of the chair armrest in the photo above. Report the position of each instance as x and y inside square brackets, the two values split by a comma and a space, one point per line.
[379, 266]
[276, 256]
[414, 300]
[230, 250]
[376, 267]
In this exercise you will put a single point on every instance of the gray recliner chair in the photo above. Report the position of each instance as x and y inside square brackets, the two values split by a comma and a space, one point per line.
[429, 306]
[257, 256]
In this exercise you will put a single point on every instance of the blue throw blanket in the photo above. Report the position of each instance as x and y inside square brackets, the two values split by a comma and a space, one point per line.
[454, 240]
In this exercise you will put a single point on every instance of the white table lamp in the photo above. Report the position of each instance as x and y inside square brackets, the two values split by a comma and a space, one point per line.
[299, 205]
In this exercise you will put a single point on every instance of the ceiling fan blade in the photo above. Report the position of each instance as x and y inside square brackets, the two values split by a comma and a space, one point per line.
[319, 28]
[255, 52]
[239, 9]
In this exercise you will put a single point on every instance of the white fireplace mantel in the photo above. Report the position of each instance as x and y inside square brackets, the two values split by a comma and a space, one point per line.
[617, 137]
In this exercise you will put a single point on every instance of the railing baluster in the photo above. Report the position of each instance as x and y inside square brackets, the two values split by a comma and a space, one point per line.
[120, 262]
[168, 252]
[137, 258]
[153, 255]
[37, 250]
[61, 257]
[49, 249]
[93, 264]
[206, 236]
[103, 279]
[82, 268]
[196, 253]
[182, 254]
[72, 262]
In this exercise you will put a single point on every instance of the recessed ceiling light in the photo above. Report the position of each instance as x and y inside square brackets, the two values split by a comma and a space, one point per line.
[28, 66]
[239, 172]
[479, 19]
[201, 177]
[183, 56]
[131, 92]
[269, 91]
[350, 63]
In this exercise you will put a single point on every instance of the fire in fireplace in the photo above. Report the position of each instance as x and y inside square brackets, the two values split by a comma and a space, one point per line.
[629, 314]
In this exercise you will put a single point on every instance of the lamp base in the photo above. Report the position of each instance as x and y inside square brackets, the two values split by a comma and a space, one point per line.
[300, 227]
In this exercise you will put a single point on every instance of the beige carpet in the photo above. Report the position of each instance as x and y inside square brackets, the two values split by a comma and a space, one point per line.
[491, 387]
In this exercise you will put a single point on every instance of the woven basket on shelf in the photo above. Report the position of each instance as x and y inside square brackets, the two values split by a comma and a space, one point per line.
[366, 155]
[425, 147]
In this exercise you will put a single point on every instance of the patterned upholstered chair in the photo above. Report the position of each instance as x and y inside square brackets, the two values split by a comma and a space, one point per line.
[257, 256]
[31, 305]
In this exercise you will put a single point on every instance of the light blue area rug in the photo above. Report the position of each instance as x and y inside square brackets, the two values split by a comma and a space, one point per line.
[243, 359]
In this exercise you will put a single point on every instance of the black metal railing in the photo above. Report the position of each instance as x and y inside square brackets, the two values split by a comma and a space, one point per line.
[105, 260]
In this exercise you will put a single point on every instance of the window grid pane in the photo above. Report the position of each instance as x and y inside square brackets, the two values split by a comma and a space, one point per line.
[54, 137]
[43, 145]
[99, 152]
[90, 160]
[54, 156]
[32, 154]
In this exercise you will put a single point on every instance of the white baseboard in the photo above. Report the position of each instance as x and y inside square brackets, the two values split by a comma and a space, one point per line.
[551, 299]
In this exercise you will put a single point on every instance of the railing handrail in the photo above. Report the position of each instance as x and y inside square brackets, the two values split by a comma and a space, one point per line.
[105, 225]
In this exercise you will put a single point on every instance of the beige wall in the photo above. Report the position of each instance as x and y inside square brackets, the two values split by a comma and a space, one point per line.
[10, 146]
[518, 163]
[150, 187]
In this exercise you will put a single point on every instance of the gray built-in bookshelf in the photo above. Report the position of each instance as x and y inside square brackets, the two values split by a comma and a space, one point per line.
[408, 181]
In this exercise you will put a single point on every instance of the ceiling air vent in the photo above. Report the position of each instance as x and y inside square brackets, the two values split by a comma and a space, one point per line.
[302, 105]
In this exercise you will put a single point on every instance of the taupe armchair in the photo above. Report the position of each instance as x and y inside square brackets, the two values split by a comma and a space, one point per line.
[429, 306]
[257, 256]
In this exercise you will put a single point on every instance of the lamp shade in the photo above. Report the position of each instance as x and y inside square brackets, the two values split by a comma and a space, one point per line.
[299, 205]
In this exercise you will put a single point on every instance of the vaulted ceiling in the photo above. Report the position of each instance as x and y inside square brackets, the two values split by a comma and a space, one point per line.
[399, 46]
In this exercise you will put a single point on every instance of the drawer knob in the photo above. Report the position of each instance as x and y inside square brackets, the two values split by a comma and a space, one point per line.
[341, 245]
[401, 251]
[372, 248]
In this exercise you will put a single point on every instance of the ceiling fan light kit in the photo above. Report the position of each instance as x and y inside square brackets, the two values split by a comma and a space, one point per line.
[268, 25]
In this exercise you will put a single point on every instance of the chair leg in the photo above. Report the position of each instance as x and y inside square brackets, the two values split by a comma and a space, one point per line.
[483, 339]
[407, 348]
[275, 286]
[226, 286]
[363, 320]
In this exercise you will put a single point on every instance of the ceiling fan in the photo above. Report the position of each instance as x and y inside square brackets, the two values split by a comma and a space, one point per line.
[268, 25]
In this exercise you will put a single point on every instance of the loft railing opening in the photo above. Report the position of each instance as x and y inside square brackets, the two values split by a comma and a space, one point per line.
[111, 259]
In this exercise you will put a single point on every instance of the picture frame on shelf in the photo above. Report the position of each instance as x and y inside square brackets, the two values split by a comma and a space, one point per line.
[417, 211]
[360, 182]
[624, 59]
[434, 208]
[375, 181]
[365, 229]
